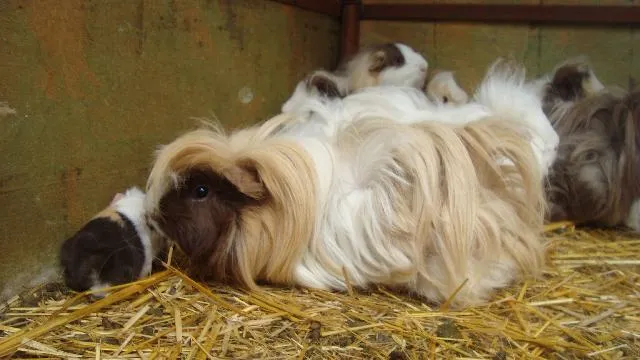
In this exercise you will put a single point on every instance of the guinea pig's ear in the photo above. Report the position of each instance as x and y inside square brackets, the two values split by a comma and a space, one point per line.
[324, 85]
[574, 80]
[567, 82]
[378, 61]
[246, 179]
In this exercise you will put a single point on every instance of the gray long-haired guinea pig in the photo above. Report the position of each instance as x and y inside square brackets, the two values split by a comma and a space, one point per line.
[115, 247]
[389, 64]
[594, 179]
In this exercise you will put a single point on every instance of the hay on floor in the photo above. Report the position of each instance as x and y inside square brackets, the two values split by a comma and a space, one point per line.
[587, 306]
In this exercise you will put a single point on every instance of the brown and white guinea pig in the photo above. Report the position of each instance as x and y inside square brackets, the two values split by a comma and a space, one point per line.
[420, 205]
[442, 88]
[394, 64]
[115, 247]
[571, 80]
[389, 64]
[594, 179]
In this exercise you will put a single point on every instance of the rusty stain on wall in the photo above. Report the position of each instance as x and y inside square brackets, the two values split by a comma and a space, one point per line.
[60, 29]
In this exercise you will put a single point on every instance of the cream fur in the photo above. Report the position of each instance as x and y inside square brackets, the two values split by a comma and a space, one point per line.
[423, 204]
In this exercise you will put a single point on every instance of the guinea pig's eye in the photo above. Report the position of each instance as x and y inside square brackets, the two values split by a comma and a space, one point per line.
[200, 191]
[445, 99]
[590, 156]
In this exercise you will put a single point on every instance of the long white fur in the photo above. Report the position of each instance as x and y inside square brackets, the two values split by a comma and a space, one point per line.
[382, 211]
[502, 92]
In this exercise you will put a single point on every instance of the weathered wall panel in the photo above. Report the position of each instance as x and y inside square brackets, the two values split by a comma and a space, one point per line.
[96, 85]
[468, 48]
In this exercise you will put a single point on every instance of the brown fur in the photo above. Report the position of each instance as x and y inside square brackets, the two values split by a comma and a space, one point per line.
[258, 218]
[595, 178]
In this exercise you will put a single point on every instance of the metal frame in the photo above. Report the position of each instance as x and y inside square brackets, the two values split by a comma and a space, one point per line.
[351, 12]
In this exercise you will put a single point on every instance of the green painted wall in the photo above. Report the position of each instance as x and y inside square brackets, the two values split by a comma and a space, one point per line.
[96, 85]
[468, 48]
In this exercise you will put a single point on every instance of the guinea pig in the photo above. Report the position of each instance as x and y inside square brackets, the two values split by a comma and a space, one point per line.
[390, 64]
[594, 179]
[501, 93]
[114, 247]
[442, 88]
[375, 200]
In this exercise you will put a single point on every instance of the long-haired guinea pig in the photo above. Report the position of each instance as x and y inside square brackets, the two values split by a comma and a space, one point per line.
[115, 247]
[442, 88]
[594, 179]
[390, 64]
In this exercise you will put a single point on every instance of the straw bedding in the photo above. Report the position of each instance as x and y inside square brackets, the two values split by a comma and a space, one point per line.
[587, 306]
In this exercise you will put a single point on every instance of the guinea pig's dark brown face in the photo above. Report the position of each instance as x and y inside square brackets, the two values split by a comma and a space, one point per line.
[197, 216]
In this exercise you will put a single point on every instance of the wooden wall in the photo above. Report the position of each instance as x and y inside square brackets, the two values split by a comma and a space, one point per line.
[468, 48]
[96, 85]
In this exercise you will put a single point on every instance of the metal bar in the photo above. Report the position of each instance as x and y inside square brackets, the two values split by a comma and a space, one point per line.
[350, 30]
[552, 14]
[327, 7]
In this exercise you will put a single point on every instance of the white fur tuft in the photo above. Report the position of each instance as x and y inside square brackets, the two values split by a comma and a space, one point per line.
[131, 205]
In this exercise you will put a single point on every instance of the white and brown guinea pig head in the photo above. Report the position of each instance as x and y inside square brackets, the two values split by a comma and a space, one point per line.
[392, 64]
[113, 248]
[442, 88]
[196, 192]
